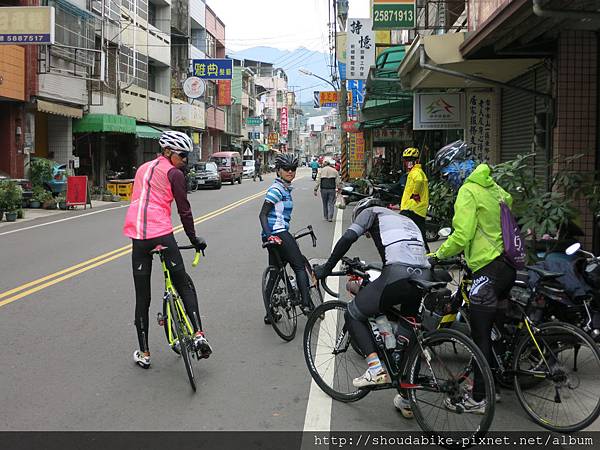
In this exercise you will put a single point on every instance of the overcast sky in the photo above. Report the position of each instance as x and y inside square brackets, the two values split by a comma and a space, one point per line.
[283, 24]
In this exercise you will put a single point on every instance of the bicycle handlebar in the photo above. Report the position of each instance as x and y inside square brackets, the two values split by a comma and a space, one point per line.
[310, 232]
[196, 260]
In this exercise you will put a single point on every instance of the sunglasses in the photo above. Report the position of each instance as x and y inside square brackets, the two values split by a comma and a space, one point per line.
[288, 169]
[183, 155]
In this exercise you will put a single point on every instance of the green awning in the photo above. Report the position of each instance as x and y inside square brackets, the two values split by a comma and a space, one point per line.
[146, 132]
[263, 148]
[104, 123]
[386, 122]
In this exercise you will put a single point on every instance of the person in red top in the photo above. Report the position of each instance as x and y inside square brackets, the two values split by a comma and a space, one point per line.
[148, 224]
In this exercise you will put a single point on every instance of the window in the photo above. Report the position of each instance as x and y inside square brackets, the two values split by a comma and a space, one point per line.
[152, 14]
[279, 97]
[152, 78]
[211, 46]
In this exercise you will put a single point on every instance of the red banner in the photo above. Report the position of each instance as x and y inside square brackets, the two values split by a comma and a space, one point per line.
[283, 126]
[77, 191]
[224, 93]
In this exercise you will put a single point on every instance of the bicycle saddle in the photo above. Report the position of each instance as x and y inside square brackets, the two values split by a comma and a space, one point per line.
[544, 274]
[270, 244]
[427, 285]
[159, 248]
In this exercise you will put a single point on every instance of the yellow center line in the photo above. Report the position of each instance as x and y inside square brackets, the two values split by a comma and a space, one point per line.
[82, 267]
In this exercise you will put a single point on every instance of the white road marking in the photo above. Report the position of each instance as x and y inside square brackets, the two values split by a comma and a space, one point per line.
[318, 409]
[64, 220]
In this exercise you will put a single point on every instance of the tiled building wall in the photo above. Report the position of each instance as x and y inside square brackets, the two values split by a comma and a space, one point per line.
[576, 108]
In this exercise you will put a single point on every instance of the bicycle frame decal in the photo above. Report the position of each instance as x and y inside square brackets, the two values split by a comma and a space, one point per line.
[171, 293]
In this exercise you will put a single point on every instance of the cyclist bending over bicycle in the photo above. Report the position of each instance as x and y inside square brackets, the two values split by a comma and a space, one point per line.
[148, 224]
[275, 217]
[402, 250]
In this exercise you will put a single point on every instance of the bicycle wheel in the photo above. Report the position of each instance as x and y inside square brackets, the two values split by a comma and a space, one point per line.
[326, 351]
[316, 297]
[175, 348]
[556, 381]
[444, 371]
[282, 311]
[185, 342]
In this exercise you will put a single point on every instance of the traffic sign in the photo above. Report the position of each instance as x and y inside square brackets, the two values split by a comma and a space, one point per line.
[393, 14]
[253, 121]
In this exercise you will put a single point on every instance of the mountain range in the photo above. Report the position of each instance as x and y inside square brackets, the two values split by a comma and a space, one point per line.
[290, 61]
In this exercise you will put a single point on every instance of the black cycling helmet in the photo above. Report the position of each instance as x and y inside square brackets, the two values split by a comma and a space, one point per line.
[453, 152]
[286, 160]
[365, 203]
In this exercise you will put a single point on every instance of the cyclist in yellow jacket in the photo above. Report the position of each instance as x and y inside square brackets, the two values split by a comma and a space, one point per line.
[415, 199]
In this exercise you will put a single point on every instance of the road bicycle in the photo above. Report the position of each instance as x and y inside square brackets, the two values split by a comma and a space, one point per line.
[553, 367]
[283, 301]
[174, 319]
[435, 370]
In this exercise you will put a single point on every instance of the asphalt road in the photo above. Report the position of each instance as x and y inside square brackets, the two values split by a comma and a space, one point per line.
[66, 327]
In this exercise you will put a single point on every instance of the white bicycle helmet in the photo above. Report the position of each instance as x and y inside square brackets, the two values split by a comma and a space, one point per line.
[176, 141]
[365, 203]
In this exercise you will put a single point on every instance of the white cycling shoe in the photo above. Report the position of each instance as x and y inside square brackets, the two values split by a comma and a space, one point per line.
[141, 360]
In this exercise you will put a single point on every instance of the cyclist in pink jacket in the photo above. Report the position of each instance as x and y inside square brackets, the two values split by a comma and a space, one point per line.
[148, 224]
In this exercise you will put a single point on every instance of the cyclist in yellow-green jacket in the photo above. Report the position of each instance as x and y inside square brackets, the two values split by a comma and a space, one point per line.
[415, 199]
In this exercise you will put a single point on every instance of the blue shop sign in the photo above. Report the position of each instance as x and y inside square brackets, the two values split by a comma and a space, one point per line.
[213, 69]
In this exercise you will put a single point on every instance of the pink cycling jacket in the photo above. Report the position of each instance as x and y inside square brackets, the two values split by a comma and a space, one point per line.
[157, 183]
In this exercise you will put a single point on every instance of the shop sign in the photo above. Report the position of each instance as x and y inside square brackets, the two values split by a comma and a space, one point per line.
[392, 134]
[438, 111]
[351, 126]
[24, 25]
[329, 99]
[273, 138]
[283, 121]
[194, 87]
[253, 121]
[213, 69]
[360, 53]
[480, 131]
[356, 160]
[224, 93]
[393, 14]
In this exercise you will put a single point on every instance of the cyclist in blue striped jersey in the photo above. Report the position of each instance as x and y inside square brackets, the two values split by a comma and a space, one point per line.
[275, 217]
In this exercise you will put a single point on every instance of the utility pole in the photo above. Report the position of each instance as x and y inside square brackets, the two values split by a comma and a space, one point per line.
[340, 8]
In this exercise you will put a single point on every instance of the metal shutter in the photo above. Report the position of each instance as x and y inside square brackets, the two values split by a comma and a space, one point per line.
[518, 111]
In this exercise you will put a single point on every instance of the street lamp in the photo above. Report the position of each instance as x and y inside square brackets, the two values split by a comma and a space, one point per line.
[343, 115]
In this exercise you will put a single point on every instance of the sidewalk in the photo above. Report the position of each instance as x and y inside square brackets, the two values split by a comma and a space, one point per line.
[38, 213]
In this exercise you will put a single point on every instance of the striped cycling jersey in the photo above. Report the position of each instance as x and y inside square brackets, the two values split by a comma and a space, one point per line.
[280, 195]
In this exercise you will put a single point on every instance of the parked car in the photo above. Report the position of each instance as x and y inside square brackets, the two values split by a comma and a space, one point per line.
[23, 183]
[249, 168]
[58, 182]
[230, 166]
[207, 175]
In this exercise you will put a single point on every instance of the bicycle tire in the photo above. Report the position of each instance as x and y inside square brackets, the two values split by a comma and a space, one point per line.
[413, 364]
[316, 319]
[183, 343]
[557, 333]
[316, 296]
[166, 322]
[328, 289]
[286, 311]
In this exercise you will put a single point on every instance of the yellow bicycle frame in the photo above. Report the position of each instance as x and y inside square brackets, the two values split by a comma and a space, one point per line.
[170, 290]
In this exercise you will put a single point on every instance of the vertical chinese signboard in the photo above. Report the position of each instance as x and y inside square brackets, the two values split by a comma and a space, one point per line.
[480, 131]
[356, 147]
[283, 124]
[224, 92]
[393, 14]
[361, 48]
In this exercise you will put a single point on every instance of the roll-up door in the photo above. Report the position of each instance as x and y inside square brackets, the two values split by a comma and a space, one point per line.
[518, 115]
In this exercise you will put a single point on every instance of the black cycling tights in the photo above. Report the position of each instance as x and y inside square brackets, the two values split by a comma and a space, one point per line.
[290, 253]
[142, 271]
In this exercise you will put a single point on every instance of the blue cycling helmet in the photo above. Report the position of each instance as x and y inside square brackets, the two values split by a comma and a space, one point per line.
[457, 172]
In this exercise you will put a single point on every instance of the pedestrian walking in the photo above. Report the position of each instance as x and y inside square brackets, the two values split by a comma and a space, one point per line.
[257, 170]
[328, 181]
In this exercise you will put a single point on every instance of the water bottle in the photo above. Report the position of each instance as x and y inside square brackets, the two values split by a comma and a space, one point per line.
[293, 283]
[385, 328]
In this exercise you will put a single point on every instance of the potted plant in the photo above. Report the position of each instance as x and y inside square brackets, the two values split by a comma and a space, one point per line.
[20, 213]
[41, 171]
[36, 197]
[96, 193]
[62, 201]
[2, 199]
[12, 198]
[116, 198]
[47, 200]
[107, 196]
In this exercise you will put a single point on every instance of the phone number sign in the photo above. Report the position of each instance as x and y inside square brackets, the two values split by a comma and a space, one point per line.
[27, 25]
[393, 14]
